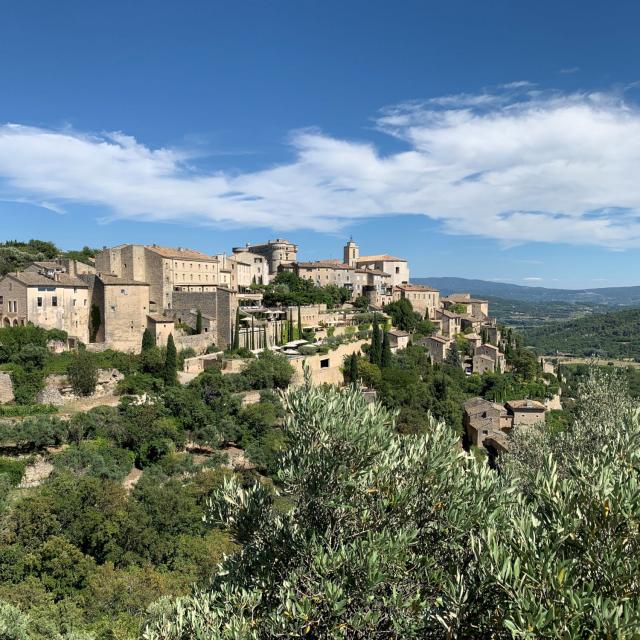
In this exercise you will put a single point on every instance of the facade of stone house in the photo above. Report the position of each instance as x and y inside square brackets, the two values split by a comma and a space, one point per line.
[397, 268]
[484, 420]
[398, 339]
[258, 264]
[437, 346]
[165, 269]
[240, 272]
[483, 364]
[424, 300]
[161, 327]
[526, 412]
[123, 304]
[59, 301]
[473, 306]
[451, 323]
[492, 352]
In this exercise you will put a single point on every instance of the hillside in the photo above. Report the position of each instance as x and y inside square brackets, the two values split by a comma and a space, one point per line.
[615, 334]
[610, 296]
[15, 255]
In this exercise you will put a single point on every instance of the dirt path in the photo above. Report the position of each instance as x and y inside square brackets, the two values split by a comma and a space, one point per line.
[131, 479]
[36, 473]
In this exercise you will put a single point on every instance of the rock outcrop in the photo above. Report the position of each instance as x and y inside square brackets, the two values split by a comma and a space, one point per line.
[6, 388]
[58, 391]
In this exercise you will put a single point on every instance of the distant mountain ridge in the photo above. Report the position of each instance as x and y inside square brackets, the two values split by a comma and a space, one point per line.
[610, 296]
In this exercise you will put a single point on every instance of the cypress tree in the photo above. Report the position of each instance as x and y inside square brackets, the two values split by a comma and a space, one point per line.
[253, 333]
[148, 341]
[353, 369]
[236, 331]
[171, 363]
[299, 322]
[385, 356]
[375, 352]
[199, 322]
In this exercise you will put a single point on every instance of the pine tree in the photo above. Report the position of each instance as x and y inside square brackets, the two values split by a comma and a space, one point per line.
[171, 363]
[236, 331]
[148, 341]
[385, 356]
[375, 352]
[199, 322]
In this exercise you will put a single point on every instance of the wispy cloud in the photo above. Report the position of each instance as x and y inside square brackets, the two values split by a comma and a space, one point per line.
[569, 70]
[532, 279]
[516, 165]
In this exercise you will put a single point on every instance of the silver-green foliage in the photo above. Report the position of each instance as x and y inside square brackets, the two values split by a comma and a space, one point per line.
[408, 537]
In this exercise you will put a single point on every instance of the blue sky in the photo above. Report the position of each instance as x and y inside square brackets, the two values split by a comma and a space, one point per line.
[495, 140]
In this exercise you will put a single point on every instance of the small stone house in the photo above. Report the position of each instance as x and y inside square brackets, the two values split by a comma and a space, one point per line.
[398, 339]
[438, 347]
[526, 412]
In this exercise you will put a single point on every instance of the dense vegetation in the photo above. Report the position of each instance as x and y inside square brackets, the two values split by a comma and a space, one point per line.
[610, 335]
[288, 289]
[405, 537]
[87, 550]
[15, 255]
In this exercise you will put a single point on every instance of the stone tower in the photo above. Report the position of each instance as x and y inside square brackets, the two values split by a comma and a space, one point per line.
[351, 253]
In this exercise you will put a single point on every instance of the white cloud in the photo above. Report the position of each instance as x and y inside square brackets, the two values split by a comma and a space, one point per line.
[569, 70]
[515, 165]
[532, 279]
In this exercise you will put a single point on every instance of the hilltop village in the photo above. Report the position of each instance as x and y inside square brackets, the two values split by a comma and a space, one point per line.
[261, 297]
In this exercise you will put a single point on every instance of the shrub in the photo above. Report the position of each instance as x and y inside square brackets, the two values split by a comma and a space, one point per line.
[83, 373]
[13, 470]
[96, 458]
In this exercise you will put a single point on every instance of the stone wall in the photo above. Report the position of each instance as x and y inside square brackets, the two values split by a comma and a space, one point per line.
[199, 342]
[6, 388]
[325, 368]
[57, 390]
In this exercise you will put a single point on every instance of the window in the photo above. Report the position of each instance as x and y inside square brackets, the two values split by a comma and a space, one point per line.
[39, 301]
[397, 269]
[324, 363]
[74, 302]
[54, 301]
[1, 300]
[124, 292]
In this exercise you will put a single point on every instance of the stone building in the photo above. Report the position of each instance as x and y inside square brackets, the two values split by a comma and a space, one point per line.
[486, 423]
[123, 306]
[258, 264]
[492, 352]
[239, 270]
[278, 253]
[423, 299]
[55, 301]
[483, 364]
[218, 308]
[351, 253]
[472, 306]
[438, 347]
[161, 327]
[526, 412]
[397, 268]
[165, 269]
[450, 322]
[398, 339]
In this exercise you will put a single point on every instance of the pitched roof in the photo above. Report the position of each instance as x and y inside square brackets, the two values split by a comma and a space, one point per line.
[383, 257]
[180, 253]
[46, 264]
[526, 404]
[415, 287]
[110, 279]
[34, 279]
[156, 317]
[325, 264]
[438, 339]
[375, 272]
[399, 333]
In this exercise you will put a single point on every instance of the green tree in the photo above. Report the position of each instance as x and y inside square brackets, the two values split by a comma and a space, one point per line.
[385, 357]
[402, 315]
[95, 320]
[198, 321]
[299, 322]
[236, 331]
[83, 372]
[148, 341]
[170, 373]
[375, 350]
[453, 356]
